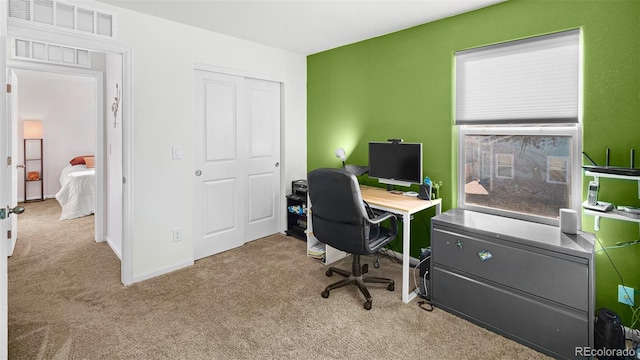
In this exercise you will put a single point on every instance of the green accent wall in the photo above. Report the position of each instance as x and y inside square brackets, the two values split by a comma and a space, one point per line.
[400, 86]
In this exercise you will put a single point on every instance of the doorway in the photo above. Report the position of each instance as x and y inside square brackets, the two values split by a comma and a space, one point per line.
[75, 110]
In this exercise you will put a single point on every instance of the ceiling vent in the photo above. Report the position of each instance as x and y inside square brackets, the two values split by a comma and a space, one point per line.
[63, 16]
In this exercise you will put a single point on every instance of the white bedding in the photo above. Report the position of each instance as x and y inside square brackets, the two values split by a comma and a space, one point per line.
[78, 193]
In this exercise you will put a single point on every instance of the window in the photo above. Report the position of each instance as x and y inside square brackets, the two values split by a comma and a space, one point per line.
[518, 118]
[557, 169]
[504, 166]
[526, 181]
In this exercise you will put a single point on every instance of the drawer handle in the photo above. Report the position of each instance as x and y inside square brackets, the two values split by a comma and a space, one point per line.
[459, 243]
[485, 255]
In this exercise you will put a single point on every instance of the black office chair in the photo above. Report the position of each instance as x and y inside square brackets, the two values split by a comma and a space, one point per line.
[340, 219]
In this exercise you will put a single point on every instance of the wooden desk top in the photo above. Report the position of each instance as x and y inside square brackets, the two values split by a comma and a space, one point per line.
[381, 197]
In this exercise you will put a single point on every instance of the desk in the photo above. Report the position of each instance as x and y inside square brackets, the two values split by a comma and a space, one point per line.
[381, 199]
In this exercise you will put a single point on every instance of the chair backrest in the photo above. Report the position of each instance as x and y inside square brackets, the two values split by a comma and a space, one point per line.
[338, 212]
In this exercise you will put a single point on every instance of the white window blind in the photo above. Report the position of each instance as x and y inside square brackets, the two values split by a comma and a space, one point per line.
[60, 14]
[534, 80]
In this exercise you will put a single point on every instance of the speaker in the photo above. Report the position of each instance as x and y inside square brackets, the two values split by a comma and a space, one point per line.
[425, 192]
[568, 221]
[609, 333]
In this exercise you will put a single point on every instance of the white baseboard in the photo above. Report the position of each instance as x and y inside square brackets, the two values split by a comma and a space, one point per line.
[113, 248]
[163, 271]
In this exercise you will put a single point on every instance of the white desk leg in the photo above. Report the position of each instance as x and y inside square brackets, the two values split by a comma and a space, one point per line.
[407, 294]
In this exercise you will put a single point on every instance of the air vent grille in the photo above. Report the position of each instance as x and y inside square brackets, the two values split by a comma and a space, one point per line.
[65, 16]
[43, 11]
[20, 9]
[85, 20]
[60, 14]
[105, 22]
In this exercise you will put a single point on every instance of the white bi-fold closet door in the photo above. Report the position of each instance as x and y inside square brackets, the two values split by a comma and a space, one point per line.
[237, 154]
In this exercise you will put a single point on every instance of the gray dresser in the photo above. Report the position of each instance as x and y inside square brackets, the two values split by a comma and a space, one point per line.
[526, 281]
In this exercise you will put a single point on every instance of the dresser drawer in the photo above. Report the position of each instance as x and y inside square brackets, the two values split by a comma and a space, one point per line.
[553, 330]
[563, 279]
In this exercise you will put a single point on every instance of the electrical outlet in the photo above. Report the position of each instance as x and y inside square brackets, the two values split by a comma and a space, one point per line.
[626, 295]
[177, 234]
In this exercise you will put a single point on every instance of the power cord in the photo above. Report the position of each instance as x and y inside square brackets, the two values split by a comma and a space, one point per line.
[423, 304]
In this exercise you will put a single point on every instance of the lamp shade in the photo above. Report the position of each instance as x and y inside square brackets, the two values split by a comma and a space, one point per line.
[33, 129]
[340, 154]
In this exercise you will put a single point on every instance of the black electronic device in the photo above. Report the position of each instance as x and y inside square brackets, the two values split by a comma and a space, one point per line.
[609, 333]
[612, 170]
[396, 163]
[425, 192]
[299, 187]
[423, 283]
[615, 170]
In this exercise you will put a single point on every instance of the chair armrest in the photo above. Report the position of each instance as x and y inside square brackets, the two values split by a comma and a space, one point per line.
[382, 217]
[393, 221]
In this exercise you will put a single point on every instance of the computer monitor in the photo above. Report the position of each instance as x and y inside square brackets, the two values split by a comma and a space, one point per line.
[396, 163]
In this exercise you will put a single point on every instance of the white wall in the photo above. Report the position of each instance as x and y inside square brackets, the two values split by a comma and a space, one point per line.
[66, 105]
[163, 57]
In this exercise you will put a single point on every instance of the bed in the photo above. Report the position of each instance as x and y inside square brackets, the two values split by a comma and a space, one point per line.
[78, 193]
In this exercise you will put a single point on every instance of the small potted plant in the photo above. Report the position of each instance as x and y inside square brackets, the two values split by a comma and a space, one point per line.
[435, 190]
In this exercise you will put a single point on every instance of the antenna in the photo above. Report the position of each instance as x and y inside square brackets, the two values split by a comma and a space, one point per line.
[589, 158]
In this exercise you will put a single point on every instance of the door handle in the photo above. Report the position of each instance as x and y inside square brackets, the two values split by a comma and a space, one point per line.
[277, 164]
[20, 166]
[4, 213]
[198, 172]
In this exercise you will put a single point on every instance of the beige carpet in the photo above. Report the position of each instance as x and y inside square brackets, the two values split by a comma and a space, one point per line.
[260, 301]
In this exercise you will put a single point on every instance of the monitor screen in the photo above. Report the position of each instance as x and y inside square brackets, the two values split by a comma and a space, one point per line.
[396, 163]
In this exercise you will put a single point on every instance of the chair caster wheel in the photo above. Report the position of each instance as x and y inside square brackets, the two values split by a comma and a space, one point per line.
[376, 264]
[325, 294]
[367, 305]
[329, 273]
[365, 268]
[391, 287]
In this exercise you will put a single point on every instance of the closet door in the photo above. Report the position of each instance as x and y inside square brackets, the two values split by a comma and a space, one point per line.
[263, 163]
[237, 154]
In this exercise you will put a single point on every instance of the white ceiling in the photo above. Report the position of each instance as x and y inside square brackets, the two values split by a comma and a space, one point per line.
[303, 26]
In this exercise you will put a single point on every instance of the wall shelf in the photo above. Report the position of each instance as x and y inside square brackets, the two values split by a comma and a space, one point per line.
[33, 164]
[597, 175]
[613, 214]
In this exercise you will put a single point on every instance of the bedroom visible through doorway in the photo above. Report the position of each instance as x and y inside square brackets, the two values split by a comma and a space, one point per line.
[82, 149]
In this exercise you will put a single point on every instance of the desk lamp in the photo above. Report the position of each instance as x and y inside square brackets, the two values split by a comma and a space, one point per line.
[340, 154]
[354, 169]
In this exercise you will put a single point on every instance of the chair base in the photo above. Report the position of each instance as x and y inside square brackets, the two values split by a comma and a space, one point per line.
[356, 278]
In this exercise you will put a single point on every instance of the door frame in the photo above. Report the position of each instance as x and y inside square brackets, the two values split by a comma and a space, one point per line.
[29, 31]
[98, 76]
